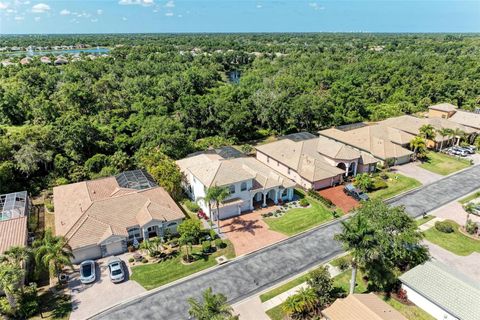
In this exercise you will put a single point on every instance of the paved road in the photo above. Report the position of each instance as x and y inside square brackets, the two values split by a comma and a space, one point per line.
[435, 195]
[255, 272]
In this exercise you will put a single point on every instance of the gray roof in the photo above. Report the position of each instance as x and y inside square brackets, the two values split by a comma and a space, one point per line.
[13, 205]
[452, 291]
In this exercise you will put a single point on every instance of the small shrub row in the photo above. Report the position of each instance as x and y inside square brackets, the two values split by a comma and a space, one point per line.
[304, 202]
[315, 195]
[192, 206]
[471, 227]
[444, 226]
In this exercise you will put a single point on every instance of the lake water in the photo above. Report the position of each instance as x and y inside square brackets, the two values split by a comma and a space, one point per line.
[61, 52]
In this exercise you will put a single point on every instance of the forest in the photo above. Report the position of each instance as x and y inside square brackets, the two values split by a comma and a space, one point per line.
[172, 95]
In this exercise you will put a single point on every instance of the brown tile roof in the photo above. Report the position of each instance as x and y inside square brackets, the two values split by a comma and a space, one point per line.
[13, 232]
[447, 107]
[466, 118]
[86, 212]
[361, 307]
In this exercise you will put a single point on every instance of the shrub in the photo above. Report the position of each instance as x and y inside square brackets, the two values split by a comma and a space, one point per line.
[206, 246]
[131, 260]
[444, 226]
[220, 244]
[343, 263]
[144, 260]
[304, 202]
[471, 227]
[49, 205]
[192, 206]
[379, 184]
[213, 234]
[336, 214]
[315, 195]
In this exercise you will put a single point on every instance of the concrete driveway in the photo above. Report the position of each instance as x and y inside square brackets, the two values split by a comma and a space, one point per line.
[412, 170]
[90, 299]
[454, 211]
[249, 232]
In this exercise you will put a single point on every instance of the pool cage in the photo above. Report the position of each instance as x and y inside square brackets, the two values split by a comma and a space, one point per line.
[14, 205]
[135, 179]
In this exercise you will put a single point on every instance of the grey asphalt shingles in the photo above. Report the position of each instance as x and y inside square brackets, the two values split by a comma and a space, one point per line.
[260, 270]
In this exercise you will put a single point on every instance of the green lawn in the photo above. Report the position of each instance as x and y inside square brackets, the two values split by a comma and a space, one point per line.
[300, 219]
[396, 184]
[409, 311]
[154, 275]
[343, 281]
[444, 164]
[276, 313]
[422, 220]
[455, 242]
[470, 197]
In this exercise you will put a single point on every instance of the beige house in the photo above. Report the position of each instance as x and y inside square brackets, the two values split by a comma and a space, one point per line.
[314, 162]
[361, 307]
[101, 217]
[452, 113]
[250, 182]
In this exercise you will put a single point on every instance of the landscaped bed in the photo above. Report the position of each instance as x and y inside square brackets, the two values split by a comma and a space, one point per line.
[300, 219]
[456, 242]
[444, 164]
[156, 274]
[396, 184]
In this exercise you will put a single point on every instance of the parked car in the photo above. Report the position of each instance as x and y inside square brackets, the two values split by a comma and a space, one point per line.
[87, 271]
[356, 193]
[459, 151]
[115, 268]
[470, 149]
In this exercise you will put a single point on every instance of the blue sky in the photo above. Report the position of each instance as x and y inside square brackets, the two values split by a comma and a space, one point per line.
[111, 16]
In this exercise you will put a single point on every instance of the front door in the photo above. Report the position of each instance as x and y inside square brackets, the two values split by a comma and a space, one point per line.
[152, 231]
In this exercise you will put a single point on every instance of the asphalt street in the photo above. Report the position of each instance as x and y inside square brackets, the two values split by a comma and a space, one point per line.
[255, 272]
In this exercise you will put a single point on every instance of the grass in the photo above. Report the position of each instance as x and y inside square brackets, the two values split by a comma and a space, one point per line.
[53, 306]
[396, 184]
[443, 164]
[300, 219]
[276, 313]
[470, 197]
[338, 261]
[423, 220]
[408, 311]
[343, 281]
[157, 274]
[455, 242]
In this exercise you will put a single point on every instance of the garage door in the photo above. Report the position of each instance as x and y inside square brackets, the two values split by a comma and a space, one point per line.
[114, 248]
[229, 211]
[322, 184]
[86, 254]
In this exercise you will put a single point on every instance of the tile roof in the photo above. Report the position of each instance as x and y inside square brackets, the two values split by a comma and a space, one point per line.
[361, 307]
[452, 291]
[13, 232]
[447, 107]
[466, 118]
[87, 211]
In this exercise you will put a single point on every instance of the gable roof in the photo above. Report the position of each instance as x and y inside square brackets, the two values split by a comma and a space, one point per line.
[361, 307]
[86, 212]
[452, 291]
[446, 107]
[13, 232]
[469, 119]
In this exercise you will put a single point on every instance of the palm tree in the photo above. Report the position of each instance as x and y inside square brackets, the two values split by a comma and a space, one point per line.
[427, 131]
[358, 237]
[214, 306]
[18, 255]
[53, 252]
[301, 303]
[217, 195]
[11, 277]
[469, 208]
[459, 134]
[443, 132]
[418, 145]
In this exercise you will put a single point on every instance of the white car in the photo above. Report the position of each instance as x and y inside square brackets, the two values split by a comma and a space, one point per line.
[87, 271]
[115, 268]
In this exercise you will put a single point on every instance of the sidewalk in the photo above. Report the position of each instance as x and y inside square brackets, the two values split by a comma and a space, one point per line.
[429, 224]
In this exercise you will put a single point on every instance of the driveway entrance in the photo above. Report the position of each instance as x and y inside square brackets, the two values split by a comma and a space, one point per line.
[249, 232]
[339, 198]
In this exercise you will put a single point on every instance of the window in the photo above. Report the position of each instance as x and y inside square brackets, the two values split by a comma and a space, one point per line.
[134, 232]
[268, 159]
[243, 186]
[288, 170]
[232, 188]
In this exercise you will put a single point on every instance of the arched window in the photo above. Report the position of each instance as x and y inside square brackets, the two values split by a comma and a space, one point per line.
[243, 186]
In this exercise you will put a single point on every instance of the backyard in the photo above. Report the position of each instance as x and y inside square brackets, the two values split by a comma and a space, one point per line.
[395, 184]
[156, 274]
[455, 242]
[300, 219]
[444, 164]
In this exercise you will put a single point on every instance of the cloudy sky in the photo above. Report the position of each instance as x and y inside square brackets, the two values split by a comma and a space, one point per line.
[110, 16]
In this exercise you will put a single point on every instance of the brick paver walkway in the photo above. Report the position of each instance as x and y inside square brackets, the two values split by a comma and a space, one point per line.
[339, 198]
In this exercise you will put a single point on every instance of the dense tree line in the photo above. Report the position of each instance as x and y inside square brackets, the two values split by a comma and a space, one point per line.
[172, 94]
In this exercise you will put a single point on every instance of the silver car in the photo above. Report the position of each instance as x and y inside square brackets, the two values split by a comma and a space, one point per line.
[87, 271]
[115, 268]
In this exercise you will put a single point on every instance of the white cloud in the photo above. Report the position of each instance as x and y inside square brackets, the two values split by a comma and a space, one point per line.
[64, 12]
[169, 14]
[99, 11]
[36, 19]
[41, 8]
[145, 3]
[3, 5]
[19, 18]
[316, 6]
[124, 18]
[170, 4]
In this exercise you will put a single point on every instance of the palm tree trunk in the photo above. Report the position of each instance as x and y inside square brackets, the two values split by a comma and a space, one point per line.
[218, 219]
[354, 277]
[11, 299]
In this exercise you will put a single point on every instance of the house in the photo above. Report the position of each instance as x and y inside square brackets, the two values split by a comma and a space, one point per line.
[380, 142]
[361, 307]
[442, 292]
[249, 181]
[26, 60]
[442, 110]
[45, 60]
[314, 162]
[60, 61]
[101, 217]
[452, 113]
[14, 212]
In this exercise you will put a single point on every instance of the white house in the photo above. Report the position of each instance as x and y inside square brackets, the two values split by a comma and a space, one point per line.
[250, 182]
[442, 292]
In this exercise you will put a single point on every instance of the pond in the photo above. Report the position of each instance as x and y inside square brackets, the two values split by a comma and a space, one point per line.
[234, 76]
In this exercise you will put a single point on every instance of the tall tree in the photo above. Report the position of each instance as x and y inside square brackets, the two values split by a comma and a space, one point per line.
[213, 307]
[419, 146]
[217, 195]
[427, 131]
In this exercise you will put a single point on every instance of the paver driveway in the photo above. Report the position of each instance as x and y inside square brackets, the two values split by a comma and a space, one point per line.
[249, 232]
[339, 198]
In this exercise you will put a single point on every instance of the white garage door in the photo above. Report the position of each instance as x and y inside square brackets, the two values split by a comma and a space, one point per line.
[114, 248]
[229, 211]
[88, 253]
